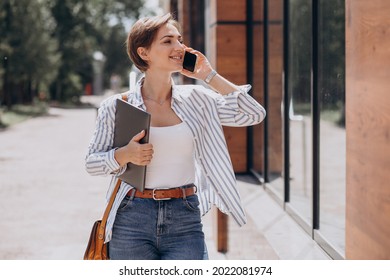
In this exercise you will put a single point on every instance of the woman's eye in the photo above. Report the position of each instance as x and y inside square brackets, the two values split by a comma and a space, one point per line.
[170, 41]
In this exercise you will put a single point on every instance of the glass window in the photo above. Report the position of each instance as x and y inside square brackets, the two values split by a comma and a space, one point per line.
[299, 75]
[258, 92]
[331, 59]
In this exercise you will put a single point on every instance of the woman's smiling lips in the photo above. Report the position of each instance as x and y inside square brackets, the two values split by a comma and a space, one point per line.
[177, 58]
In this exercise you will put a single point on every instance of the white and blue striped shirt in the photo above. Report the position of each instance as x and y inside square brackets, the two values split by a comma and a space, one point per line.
[204, 111]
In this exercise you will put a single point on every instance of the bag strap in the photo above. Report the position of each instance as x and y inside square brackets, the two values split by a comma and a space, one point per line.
[103, 223]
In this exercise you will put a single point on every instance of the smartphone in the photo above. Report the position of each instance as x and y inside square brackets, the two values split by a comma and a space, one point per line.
[189, 61]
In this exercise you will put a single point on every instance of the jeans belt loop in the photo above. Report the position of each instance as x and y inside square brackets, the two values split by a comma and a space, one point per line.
[183, 190]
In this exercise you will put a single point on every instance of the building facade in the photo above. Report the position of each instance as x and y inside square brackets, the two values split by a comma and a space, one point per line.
[321, 68]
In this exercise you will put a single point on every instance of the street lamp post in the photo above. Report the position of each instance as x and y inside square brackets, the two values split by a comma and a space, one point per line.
[98, 66]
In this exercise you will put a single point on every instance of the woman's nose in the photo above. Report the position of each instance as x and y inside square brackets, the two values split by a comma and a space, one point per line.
[179, 46]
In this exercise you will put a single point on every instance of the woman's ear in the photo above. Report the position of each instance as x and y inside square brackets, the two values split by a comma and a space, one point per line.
[143, 53]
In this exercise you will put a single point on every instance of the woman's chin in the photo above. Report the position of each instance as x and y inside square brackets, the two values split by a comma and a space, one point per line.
[177, 69]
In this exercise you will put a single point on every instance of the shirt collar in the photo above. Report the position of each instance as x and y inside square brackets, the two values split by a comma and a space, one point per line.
[136, 92]
[137, 95]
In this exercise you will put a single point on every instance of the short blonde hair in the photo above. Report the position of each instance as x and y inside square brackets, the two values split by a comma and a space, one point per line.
[143, 33]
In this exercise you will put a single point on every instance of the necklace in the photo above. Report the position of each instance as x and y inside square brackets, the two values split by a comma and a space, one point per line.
[158, 102]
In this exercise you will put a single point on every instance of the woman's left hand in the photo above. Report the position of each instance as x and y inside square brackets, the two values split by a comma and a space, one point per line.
[202, 66]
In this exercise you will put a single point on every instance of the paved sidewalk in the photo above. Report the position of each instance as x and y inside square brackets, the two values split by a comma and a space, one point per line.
[48, 201]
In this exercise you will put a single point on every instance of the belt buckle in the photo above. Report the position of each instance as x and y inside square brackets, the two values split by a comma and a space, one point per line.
[157, 199]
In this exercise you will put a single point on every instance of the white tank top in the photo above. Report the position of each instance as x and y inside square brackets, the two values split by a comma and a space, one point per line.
[173, 162]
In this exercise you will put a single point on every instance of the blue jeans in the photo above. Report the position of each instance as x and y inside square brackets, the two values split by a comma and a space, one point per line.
[146, 229]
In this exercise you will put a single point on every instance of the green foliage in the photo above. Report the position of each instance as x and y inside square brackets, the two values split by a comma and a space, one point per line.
[116, 52]
[82, 28]
[28, 52]
[48, 45]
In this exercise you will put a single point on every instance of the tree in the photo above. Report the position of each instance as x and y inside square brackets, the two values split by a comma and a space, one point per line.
[82, 28]
[115, 50]
[27, 51]
[50, 43]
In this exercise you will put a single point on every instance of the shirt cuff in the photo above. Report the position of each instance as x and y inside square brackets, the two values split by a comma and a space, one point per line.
[112, 164]
[244, 88]
[232, 98]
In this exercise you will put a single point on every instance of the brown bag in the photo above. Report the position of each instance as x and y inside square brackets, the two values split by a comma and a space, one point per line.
[96, 248]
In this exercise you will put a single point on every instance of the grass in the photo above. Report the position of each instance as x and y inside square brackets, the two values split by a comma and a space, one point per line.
[19, 113]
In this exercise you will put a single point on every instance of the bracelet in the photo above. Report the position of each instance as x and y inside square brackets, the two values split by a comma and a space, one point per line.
[210, 76]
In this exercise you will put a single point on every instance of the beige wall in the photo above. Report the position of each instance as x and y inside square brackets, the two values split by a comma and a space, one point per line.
[368, 129]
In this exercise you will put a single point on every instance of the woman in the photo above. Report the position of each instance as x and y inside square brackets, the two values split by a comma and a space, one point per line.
[188, 165]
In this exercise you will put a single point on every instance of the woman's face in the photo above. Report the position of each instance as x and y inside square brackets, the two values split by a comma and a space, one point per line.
[167, 51]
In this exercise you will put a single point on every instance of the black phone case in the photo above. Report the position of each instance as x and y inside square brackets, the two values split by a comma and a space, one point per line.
[189, 61]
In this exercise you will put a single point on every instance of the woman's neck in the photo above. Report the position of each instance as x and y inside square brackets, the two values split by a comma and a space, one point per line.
[157, 86]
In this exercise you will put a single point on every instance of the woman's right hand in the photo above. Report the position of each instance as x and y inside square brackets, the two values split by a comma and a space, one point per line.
[134, 152]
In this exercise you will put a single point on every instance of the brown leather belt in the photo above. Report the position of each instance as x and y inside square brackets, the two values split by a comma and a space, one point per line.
[165, 194]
